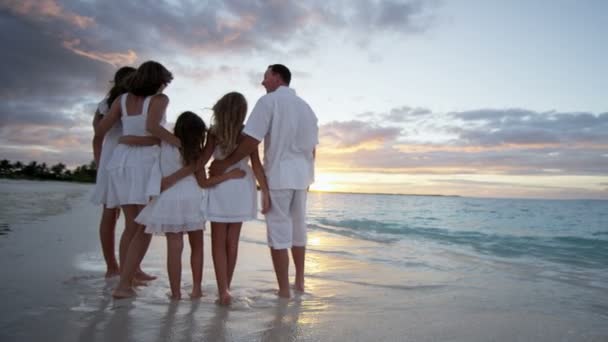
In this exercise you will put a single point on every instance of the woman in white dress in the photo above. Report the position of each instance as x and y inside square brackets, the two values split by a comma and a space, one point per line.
[102, 150]
[234, 201]
[134, 171]
[179, 208]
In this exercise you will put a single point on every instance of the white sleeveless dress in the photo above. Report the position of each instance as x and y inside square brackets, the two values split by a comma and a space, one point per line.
[110, 141]
[133, 171]
[234, 200]
[178, 208]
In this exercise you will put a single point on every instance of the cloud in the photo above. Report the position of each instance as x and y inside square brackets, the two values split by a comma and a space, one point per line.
[42, 10]
[356, 134]
[513, 142]
[524, 127]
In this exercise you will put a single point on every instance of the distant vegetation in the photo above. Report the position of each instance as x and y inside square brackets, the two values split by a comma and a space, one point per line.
[34, 170]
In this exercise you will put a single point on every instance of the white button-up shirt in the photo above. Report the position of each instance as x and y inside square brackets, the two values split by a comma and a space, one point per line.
[289, 129]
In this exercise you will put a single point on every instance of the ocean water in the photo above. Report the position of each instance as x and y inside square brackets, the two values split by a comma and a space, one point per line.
[569, 234]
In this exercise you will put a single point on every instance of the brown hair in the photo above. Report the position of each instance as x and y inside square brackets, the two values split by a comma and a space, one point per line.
[190, 130]
[119, 87]
[228, 116]
[148, 79]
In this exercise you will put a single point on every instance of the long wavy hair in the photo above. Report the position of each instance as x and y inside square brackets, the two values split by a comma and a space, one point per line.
[148, 79]
[228, 117]
[190, 130]
[119, 87]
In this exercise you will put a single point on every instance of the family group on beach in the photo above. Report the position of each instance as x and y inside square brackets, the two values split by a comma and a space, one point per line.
[163, 185]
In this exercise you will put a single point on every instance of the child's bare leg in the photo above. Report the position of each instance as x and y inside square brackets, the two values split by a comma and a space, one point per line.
[135, 253]
[298, 254]
[175, 246]
[196, 262]
[220, 262]
[280, 261]
[232, 247]
[107, 229]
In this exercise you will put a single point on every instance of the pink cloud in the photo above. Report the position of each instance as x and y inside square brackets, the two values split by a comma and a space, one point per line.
[45, 9]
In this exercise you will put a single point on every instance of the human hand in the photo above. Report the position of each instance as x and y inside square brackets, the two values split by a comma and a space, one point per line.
[217, 168]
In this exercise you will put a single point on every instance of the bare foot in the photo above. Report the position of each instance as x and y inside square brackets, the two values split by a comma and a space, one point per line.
[284, 294]
[138, 282]
[175, 296]
[110, 273]
[196, 293]
[141, 275]
[299, 286]
[123, 293]
[225, 299]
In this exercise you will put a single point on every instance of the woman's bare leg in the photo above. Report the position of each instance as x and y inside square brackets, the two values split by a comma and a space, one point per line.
[136, 251]
[107, 229]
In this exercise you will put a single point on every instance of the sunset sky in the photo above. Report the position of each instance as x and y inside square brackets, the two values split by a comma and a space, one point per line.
[471, 98]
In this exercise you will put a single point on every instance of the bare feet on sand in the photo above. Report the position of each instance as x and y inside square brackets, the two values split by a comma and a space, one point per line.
[119, 293]
[196, 293]
[299, 285]
[110, 273]
[284, 294]
[141, 275]
[225, 299]
[138, 282]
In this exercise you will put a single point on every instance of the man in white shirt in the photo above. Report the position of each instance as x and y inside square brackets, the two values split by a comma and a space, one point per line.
[290, 132]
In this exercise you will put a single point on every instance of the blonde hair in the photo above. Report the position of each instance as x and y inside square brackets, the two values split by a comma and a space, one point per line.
[228, 117]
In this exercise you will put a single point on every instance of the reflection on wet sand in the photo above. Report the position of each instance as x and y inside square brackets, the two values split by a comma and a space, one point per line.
[285, 325]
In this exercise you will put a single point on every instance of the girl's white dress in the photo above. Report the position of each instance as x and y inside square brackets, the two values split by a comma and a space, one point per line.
[100, 191]
[133, 171]
[234, 200]
[178, 208]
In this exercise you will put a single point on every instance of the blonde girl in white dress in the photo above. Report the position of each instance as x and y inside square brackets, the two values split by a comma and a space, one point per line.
[134, 171]
[234, 201]
[179, 208]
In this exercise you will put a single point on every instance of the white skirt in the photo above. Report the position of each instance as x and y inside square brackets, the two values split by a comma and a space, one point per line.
[177, 209]
[234, 200]
[100, 191]
[133, 175]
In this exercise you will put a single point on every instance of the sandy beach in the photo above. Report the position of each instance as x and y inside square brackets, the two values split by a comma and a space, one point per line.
[53, 289]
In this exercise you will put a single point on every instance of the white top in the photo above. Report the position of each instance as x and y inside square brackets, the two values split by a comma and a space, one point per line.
[289, 129]
[135, 124]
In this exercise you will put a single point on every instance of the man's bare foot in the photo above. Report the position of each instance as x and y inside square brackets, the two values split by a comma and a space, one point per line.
[110, 273]
[119, 293]
[174, 296]
[284, 294]
[299, 285]
[225, 299]
[141, 275]
[196, 293]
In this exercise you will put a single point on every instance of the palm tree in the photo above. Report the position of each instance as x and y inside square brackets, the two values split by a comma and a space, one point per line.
[58, 170]
[6, 168]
